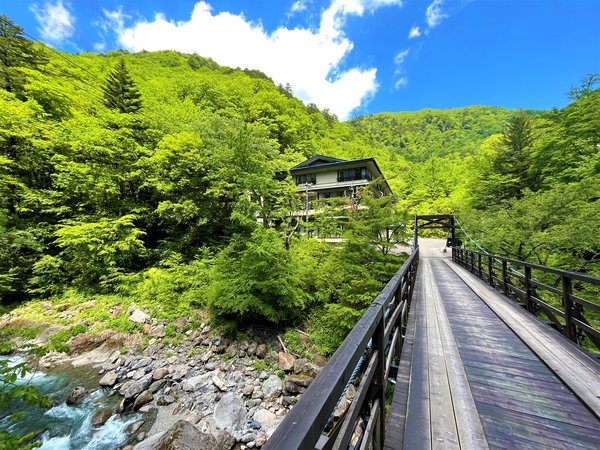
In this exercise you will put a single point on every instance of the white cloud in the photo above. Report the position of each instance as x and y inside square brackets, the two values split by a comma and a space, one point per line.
[56, 22]
[309, 60]
[434, 14]
[401, 56]
[414, 32]
[99, 46]
[400, 82]
[399, 59]
[113, 20]
[299, 5]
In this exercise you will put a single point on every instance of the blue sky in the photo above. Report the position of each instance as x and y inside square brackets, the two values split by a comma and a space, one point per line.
[353, 56]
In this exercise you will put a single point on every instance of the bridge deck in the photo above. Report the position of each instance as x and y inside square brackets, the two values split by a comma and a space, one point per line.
[467, 380]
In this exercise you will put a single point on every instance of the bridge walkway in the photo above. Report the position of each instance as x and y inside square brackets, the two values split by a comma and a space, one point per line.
[468, 380]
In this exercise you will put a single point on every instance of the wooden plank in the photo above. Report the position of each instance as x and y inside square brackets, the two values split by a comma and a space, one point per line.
[397, 417]
[561, 430]
[370, 428]
[568, 362]
[443, 423]
[417, 433]
[470, 430]
[568, 417]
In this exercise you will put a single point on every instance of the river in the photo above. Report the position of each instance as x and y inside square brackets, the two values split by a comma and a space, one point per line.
[67, 427]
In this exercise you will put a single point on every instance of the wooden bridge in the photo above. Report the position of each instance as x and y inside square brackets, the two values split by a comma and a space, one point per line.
[470, 351]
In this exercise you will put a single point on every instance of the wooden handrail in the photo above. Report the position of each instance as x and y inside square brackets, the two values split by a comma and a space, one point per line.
[381, 326]
[573, 323]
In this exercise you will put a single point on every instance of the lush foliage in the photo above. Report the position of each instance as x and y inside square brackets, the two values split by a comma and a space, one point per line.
[151, 178]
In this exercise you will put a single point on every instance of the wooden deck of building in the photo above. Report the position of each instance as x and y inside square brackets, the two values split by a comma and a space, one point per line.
[478, 371]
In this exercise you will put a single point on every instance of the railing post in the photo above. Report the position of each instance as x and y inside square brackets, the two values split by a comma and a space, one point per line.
[379, 383]
[505, 277]
[479, 265]
[472, 262]
[528, 304]
[490, 272]
[567, 286]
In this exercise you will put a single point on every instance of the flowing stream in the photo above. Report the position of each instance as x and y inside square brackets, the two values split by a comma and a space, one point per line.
[67, 427]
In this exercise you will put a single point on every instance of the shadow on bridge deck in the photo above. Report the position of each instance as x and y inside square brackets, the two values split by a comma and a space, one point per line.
[467, 380]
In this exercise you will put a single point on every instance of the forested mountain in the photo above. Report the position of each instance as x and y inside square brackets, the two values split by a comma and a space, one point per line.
[525, 183]
[139, 177]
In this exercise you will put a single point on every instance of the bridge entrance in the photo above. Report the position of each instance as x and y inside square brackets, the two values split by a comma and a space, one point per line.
[475, 367]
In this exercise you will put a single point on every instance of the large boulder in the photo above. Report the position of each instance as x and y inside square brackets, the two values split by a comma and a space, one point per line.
[230, 413]
[142, 399]
[101, 416]
[137, 387]
[185, 436]
[271, 387]
[77, 395]
[109, 379]
[199, 381]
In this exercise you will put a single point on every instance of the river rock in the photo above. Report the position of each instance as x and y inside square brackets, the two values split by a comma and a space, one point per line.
[137, 387]
[267, 419]
[77, 395]
[157, 385]
[159, 374]
[260, 440]
[198, 382]
[219, 383]
[230, 413]
[101, 416]
[157, 331]
[181, 436]
[248, 389]
[139, 316]
[285, 361]
[134, 427]
[261, 351]
[142, 399]
[165, 400]
[180, 323]
[142, 363]
[271, 387]
[109, 379]
[252, 348]
[296, 384]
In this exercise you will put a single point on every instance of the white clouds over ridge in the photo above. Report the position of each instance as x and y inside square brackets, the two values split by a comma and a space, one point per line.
[56, 21]
[304, 58]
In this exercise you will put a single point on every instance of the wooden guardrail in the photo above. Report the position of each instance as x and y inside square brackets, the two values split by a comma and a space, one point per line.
[568, 312]
[364, 359]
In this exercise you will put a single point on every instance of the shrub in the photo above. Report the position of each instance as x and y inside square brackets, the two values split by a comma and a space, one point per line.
[255, 278]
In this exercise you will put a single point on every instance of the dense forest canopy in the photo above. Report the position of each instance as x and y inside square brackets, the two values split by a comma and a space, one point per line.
[140, 178]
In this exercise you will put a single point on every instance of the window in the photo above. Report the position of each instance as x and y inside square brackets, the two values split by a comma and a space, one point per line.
[358, 173]
[310, 178]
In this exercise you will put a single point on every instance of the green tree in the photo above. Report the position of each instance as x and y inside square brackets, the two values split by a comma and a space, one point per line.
[255, 279]
[16, 53]
[97, 252]
[585, 88]
[120, 91]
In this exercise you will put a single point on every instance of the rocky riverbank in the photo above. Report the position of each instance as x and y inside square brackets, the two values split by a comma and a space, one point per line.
[227, 393]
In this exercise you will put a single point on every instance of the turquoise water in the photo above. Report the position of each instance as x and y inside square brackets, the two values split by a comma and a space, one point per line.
[69, 427]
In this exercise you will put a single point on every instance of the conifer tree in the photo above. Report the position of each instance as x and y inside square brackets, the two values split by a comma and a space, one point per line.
[15, 52]
[120, 91]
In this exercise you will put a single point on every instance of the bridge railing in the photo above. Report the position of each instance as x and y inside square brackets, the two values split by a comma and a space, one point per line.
[363, 359]
[555, 296]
